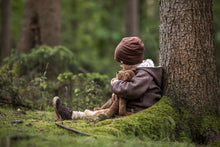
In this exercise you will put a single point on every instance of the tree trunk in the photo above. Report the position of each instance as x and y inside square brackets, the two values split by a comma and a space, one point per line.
[187, 54]
[132, 18]
[41, 24]
[6, 29]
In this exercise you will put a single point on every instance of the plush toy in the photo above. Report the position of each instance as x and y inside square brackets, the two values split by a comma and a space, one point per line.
[116, 105]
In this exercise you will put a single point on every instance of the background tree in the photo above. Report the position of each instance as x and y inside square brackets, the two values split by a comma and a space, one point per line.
[187, 54]
[6, 29]
[41, 24]
[132, 17]
[91, 29]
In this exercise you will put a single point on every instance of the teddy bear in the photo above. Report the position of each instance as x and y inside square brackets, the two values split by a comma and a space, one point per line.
[116, 105]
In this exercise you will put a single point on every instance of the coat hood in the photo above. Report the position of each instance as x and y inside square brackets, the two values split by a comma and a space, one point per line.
[155, 72]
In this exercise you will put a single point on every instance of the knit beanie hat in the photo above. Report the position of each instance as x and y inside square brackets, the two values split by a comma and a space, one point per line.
[130, 51]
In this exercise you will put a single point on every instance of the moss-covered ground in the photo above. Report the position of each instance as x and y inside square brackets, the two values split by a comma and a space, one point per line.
[152, 127]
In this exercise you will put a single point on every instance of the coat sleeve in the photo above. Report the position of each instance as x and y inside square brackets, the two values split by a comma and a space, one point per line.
[134, 88]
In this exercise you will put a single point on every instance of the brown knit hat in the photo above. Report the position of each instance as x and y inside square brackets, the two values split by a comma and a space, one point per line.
[130, 51]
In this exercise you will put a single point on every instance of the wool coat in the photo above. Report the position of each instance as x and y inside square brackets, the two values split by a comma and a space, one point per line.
[144, 89]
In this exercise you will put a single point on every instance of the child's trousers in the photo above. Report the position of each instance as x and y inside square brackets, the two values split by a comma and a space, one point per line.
[88, 114]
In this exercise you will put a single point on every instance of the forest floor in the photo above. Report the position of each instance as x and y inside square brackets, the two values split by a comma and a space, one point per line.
[38, 128]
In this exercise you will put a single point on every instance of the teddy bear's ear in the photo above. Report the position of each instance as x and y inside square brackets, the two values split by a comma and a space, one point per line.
[132, 73]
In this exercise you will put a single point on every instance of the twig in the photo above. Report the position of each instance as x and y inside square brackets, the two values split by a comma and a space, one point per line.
[15, 137]
[16, 121]
[74, 130]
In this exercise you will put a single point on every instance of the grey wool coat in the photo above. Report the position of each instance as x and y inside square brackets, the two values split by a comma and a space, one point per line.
[144, 90]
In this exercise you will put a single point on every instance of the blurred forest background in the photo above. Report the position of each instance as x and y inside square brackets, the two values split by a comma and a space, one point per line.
[66, 48]
[92, 29]
[90, 32]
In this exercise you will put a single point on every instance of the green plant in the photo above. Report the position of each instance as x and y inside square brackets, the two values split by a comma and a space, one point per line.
[43, 60]
[19, 91]
[8, 91]
[84, 91]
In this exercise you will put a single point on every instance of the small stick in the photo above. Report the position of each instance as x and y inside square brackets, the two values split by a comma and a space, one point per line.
[16, 121]
[74, 130]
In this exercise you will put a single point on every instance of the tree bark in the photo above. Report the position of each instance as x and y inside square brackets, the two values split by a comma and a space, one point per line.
[132, 18]
[6, 29]
[41, 24]
[187, 54]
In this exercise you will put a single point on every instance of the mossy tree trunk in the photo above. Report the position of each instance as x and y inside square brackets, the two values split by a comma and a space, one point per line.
[41, 24]
[187, 54]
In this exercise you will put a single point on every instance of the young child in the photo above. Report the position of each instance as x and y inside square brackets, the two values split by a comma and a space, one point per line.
[141, 92]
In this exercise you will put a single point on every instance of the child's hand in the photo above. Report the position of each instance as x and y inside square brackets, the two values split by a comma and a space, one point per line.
[112, 81]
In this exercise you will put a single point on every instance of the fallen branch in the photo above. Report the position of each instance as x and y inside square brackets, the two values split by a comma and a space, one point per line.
[73, 130]
[16, 121]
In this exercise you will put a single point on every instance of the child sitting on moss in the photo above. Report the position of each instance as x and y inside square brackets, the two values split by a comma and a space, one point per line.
[141, 92]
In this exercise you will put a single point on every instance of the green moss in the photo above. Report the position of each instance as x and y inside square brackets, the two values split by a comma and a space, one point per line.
[156, 122]
[196, 128]
[210, 121]
[159, 122]
[214, 144]
[208, 126]
[44, 132]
